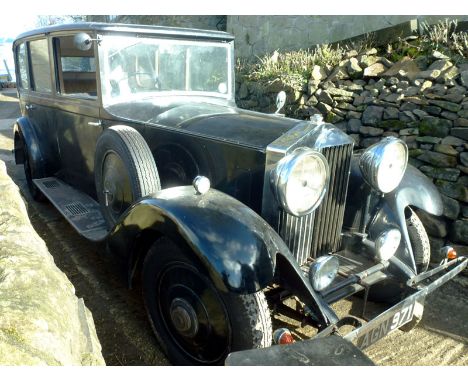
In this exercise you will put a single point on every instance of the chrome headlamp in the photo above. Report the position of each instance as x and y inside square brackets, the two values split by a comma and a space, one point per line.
[323, 271]
[387, 244]
[299, 181]
[384, 164]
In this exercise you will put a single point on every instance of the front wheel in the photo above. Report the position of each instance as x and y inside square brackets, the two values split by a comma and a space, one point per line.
[194, 322]
[419, 242]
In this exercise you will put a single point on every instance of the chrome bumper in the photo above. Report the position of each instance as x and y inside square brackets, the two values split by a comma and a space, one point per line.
[313, 351]
[369, 329]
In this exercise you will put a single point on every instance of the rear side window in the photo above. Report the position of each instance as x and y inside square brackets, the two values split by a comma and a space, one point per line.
[78, 64]
[76, 69]
[22, 59]
[40, 65]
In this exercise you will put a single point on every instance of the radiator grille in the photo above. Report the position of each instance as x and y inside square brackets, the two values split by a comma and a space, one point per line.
[319, 232]
[297, 234]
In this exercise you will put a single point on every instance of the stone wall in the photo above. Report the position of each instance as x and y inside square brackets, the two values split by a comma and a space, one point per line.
[424, 102]
[42, 322]
[257, 35]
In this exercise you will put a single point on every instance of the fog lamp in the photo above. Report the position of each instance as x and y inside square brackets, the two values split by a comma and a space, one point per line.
[387, 244]
[323, 271]
[283, 336]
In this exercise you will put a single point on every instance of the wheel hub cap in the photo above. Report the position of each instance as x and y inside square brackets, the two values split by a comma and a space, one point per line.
[183, 317]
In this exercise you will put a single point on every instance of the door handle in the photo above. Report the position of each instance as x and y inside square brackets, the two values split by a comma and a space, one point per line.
[30, 107]
[98, 123]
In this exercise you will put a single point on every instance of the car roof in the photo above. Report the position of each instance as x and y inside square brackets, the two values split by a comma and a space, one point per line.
[149, 30]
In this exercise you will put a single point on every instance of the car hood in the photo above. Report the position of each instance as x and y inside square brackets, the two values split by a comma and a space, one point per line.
[221, 122]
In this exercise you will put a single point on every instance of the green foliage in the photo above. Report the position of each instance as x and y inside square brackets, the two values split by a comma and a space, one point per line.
[440, 34]
[292, 68]
[442, 37]
[405, 48]
[13, 334]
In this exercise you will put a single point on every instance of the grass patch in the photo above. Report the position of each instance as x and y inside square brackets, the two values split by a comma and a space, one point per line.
[443, 37]
[292, 68]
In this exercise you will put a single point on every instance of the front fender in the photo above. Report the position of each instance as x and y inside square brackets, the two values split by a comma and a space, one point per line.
[388, 210]
[415, 189]
[236, 246]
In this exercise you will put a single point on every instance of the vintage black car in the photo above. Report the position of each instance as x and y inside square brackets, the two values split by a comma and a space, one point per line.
[133, 133]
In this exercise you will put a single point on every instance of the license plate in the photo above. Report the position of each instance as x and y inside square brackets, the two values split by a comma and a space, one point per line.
[376, 332]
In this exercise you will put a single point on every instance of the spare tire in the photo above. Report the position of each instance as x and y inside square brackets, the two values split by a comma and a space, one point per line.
[124, 171]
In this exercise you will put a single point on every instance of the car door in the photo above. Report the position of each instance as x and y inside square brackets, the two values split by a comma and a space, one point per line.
[39, 100]
[77, 111]
[22, 75]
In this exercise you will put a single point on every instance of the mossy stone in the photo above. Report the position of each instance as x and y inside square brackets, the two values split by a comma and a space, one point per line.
[435, 127]
[392, 124]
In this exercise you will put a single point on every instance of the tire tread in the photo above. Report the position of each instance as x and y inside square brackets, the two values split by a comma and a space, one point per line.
[419, 242]
[137, 156]
[260, 320]
[142, 159]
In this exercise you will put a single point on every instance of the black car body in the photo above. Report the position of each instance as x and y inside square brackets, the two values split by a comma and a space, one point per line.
[117, 123]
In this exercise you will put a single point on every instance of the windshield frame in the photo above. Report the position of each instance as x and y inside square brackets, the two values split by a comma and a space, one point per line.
[108, 100]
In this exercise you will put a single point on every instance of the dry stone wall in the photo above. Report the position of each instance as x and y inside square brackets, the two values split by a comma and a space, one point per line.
[424, 102]
[42, 322]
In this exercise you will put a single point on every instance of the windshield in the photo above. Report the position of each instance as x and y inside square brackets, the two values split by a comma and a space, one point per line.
[134, 67]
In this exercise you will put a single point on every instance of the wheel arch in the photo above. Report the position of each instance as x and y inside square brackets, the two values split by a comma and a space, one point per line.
[24, 133]
[390, 210]
[141, 245]
[18, 146]
[415, 190]
[236, 246]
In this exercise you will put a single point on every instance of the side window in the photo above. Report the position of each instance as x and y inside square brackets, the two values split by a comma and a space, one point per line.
[40, 65]
[22, 60]
[76, 69]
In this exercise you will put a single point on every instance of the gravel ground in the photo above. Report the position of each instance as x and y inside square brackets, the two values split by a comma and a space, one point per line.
[120, 319]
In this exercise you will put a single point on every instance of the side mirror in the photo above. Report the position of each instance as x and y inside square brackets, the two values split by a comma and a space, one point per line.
[83, 41]
[280, 101]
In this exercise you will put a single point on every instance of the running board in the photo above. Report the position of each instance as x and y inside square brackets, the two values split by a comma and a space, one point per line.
[81, 211]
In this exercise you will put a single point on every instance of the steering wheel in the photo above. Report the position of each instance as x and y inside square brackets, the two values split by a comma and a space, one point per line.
[156, 82]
